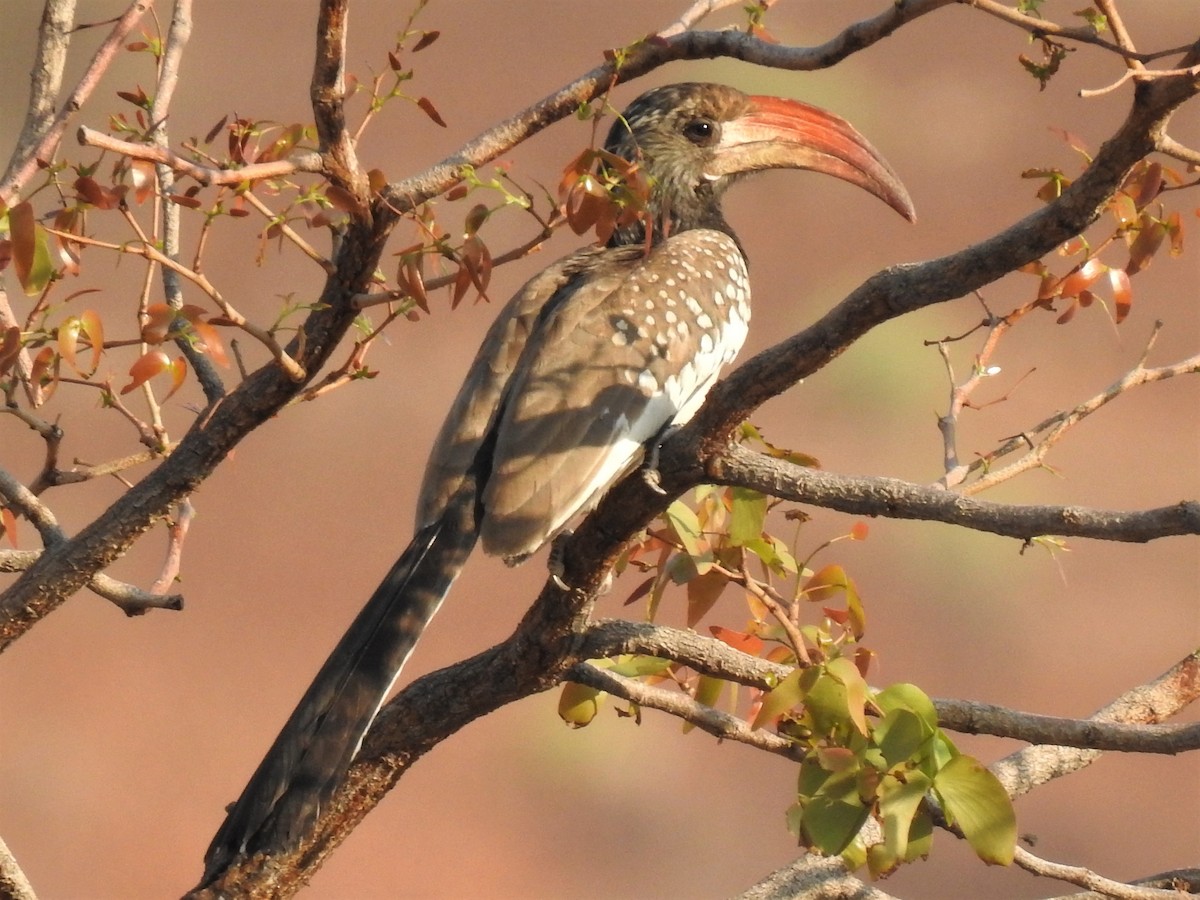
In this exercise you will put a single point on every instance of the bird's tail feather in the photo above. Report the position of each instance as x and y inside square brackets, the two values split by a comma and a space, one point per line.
[310, 756]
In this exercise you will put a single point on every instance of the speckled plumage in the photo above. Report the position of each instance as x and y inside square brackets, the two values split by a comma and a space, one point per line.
[590, 360]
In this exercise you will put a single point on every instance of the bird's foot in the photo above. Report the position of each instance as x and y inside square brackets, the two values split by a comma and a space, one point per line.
[650, 471]
[555, 564]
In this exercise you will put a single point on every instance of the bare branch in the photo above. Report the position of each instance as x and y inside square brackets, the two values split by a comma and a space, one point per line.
[54, 38]
[1186, 880]
[44, 148]
[1083, 34]
[1154, 701]
[24, 501]
[1058, 425]
[300, 161]
[892, 498]
[971, 717]
[1086, 878]
[720, 725]
[130, 599]
[698, 11]
[13, 883]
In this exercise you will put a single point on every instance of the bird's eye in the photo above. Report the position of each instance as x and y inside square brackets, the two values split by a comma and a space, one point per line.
[699, 131]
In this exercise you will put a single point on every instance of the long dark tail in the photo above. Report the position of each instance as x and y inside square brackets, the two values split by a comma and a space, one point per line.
[310, 757]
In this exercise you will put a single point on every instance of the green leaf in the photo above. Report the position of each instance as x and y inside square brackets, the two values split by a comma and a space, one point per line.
[898, 804]
[826, 704]
[30, 249]
[844, 670]
[639, 666]
[830, 825]
[973, 799]
[578, 704]
[920, 835]
[708, 692]
[686, 526]
[899, 735]
[784, 696]
[748, 515]
[911, 698]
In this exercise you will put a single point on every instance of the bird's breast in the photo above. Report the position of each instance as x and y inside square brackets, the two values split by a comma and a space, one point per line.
[686, 316]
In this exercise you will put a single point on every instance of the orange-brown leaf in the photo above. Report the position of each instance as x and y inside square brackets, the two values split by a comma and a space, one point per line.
[9, 521]
[44, 372]
[1122, 294]
[179, 370]
[210, 343]
[93, 327]
[10, 348]
[747, 643]
[1175, 230]
[1149, 238]
[145, 367]
[159, 317]
[141, 176]
[1082, 278]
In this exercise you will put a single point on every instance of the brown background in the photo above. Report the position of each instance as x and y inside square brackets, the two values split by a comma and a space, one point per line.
[121, 739]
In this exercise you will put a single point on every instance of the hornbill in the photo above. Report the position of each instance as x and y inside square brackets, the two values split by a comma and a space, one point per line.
[591, 360]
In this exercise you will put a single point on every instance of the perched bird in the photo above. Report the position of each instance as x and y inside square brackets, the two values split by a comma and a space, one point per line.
[589, 363]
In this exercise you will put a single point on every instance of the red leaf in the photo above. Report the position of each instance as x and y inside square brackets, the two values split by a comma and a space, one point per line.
[215, 130]
[430, 110]
[187, 202]
[90, 191]
[425, 40]
[747, 643]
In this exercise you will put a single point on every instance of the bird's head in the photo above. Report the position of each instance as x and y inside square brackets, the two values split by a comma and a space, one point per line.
[693, 140]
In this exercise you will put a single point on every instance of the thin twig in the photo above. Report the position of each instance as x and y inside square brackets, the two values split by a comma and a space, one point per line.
[720, 724]
[46, 146]
[130, 599]
[1056, 427]
[299, 161]
[1086, 878]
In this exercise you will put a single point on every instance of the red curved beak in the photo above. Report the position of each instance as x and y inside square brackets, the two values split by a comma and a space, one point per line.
[774, 133]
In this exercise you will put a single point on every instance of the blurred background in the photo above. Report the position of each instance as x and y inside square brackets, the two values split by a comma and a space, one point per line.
[122, 739]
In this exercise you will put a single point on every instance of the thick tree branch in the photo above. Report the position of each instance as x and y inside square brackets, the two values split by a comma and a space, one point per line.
[896, 499]
[13, 883]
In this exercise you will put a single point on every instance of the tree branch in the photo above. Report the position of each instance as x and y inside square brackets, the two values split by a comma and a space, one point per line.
[1154, 701]
[300, 161]
[892, 498]
[13, 883]
[24, 164]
